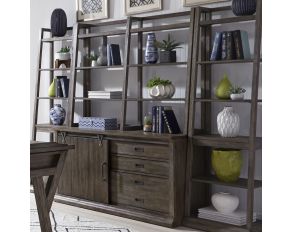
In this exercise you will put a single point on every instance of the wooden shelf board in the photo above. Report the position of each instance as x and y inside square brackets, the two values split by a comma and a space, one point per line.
[228, 20]
[113, 67]
[213, 226]
[225, 61]
[53, 98]
[240, 142]
[162, 27]
[54, 69]
[96, 99]
[158, 64]
[100, 34]
[64, 38]
[225, 100]
[161, 100]
[241, 183]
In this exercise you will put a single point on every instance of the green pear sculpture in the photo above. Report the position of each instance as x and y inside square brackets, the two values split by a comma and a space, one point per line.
[223, 88]
[51, 91]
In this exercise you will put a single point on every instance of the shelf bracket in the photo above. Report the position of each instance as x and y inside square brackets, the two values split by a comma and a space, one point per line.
[63, 135]
[100, 140]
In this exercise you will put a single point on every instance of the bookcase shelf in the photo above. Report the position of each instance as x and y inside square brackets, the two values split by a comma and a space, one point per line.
[237, 19]
[55, 69]
[159, 64]
[52, 98]
[226, 61]
[225, 100]
[64, 38]
[113, 67]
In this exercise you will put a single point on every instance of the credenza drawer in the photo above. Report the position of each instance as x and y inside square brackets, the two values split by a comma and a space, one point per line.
[140, 149]
[139, 165]
[140, 191]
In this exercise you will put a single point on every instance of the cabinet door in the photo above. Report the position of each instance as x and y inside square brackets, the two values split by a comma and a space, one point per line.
[85, 174]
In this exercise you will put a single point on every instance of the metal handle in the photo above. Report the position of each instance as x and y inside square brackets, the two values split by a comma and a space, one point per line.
[139, 149]
[137, 182]
[139, 200]
[103, 166]
[139, 165]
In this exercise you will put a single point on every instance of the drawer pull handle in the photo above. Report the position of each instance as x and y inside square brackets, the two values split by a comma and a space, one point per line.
[139, 200]
[103, 169]
[139, 149]
[139, 165]
[137, 182]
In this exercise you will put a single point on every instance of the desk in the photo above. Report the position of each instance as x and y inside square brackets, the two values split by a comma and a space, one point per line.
[46, 159]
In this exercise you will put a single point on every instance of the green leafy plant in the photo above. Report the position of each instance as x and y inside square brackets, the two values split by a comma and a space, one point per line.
[91, 57]
[236, 90]
[167, 45]
[64, 49]
[157, 81]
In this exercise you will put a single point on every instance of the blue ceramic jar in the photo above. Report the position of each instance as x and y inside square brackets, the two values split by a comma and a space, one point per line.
[151, 53]
[57, 114]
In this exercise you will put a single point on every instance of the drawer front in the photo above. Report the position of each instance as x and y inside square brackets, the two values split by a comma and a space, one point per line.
[140, 149]
[139, 165]
[140, 191]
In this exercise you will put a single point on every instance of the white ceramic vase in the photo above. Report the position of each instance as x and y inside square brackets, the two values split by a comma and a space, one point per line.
[228, 122]
[237, 96]
[94, 63]
[62, 56]
[225, 202]
[161, 91]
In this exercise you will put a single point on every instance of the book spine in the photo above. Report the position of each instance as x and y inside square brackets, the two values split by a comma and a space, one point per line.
[109, 59]
[224, 46]
[215, 54]
[63, 87]
[58, 88]
[166, 122]
[115, 54]
[230, 54]
[245, 45]
[154, 119]
[238, 44]
[160, 116]
[157, 119]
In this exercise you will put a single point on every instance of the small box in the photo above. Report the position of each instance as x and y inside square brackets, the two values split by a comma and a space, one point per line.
[98, 123]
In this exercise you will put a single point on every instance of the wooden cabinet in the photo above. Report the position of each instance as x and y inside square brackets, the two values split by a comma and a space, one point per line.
[85, 174]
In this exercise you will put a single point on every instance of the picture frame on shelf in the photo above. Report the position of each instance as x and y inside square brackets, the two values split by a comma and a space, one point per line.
[141, 6]
[87, 10]
[200, 2]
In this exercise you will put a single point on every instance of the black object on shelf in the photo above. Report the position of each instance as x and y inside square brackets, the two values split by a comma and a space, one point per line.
[115, 54]
[244, 7]
[58, 22]
[230, 51]
[216, 50]
[170, 121]
[224, 46]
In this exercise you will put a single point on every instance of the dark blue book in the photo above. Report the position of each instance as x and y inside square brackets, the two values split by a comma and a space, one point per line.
[238, 44]
[115, 54]
[171, 122]
[109, 57]
[65, 86]
[154, 119]
[58, 87]
[230, 50]
[224, 45]
[216, 50]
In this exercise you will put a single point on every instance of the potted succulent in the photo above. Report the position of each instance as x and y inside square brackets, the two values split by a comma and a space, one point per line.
[63, 54]
[158, 88]
[92, 60]
[236, 93]
[167, 53]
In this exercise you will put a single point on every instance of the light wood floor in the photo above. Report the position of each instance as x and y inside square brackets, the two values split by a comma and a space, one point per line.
[134, 226]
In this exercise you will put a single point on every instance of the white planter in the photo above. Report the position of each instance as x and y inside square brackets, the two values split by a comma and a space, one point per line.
[161, 91]
[62, 56]
[94, 63]
[225, 202]
[237, 96]
[228, 122]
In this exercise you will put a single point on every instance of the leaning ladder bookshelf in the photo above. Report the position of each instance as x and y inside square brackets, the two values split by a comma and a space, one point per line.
[201, 141]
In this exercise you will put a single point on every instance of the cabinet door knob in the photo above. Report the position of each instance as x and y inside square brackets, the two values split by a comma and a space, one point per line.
[139, 165]
[103, 168]
[137, 182]
[139, 149]
[139, 200]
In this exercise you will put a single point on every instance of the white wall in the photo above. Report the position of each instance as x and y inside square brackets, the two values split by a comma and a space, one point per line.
[238, 73]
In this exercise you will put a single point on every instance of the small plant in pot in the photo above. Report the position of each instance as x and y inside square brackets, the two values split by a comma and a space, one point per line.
[63, 54]
[158, 88]
[237, 93]
[91, 60]
[167, 53]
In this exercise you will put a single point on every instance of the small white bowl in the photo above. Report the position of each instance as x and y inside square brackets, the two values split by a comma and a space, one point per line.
[237, 96]
[225, 202]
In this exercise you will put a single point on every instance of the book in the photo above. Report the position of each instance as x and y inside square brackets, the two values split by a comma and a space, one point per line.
[58, 88]
[154, 119]
[216, 50]
[109, 58]
[238, 44]
[230, 51]
[106, 92]
[115, 54]
[224, 45]
[65, 86]
[245, 45]
[170, 121]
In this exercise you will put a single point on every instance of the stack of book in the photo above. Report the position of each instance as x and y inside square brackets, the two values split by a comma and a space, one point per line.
[230, 45]
[113, 55]
[61, 86]
[105, 94]
[237, 218]
[164, 120]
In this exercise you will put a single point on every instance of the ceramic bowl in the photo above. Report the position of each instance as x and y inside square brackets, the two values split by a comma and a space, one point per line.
[225, 202]
[237, 96]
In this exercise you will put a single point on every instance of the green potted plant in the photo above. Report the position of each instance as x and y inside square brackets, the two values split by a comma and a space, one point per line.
[167, 53]
[237, 92]
[159, 88]
[63, 54]
[91, 60]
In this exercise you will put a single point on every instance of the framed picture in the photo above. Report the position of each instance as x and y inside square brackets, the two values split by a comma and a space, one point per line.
[200, 2]
[91, 9]
[141, 6]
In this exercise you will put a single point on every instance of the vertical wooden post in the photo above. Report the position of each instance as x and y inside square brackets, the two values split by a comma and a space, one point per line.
[253, 114]
[51, 77]
[140, 73]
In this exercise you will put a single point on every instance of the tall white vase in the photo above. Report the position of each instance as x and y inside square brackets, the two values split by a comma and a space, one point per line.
[228, 122]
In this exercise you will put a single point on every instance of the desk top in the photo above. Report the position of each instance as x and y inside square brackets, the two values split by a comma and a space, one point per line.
[43, 147]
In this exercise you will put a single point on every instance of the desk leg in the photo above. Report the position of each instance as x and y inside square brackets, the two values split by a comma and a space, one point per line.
[41, 201]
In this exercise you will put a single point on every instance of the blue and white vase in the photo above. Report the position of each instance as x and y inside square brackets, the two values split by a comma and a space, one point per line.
[151, 53]
[57, 114]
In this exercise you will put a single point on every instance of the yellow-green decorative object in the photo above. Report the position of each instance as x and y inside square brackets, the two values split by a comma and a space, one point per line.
[223, 88]
[51, 91]
[227, 164]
